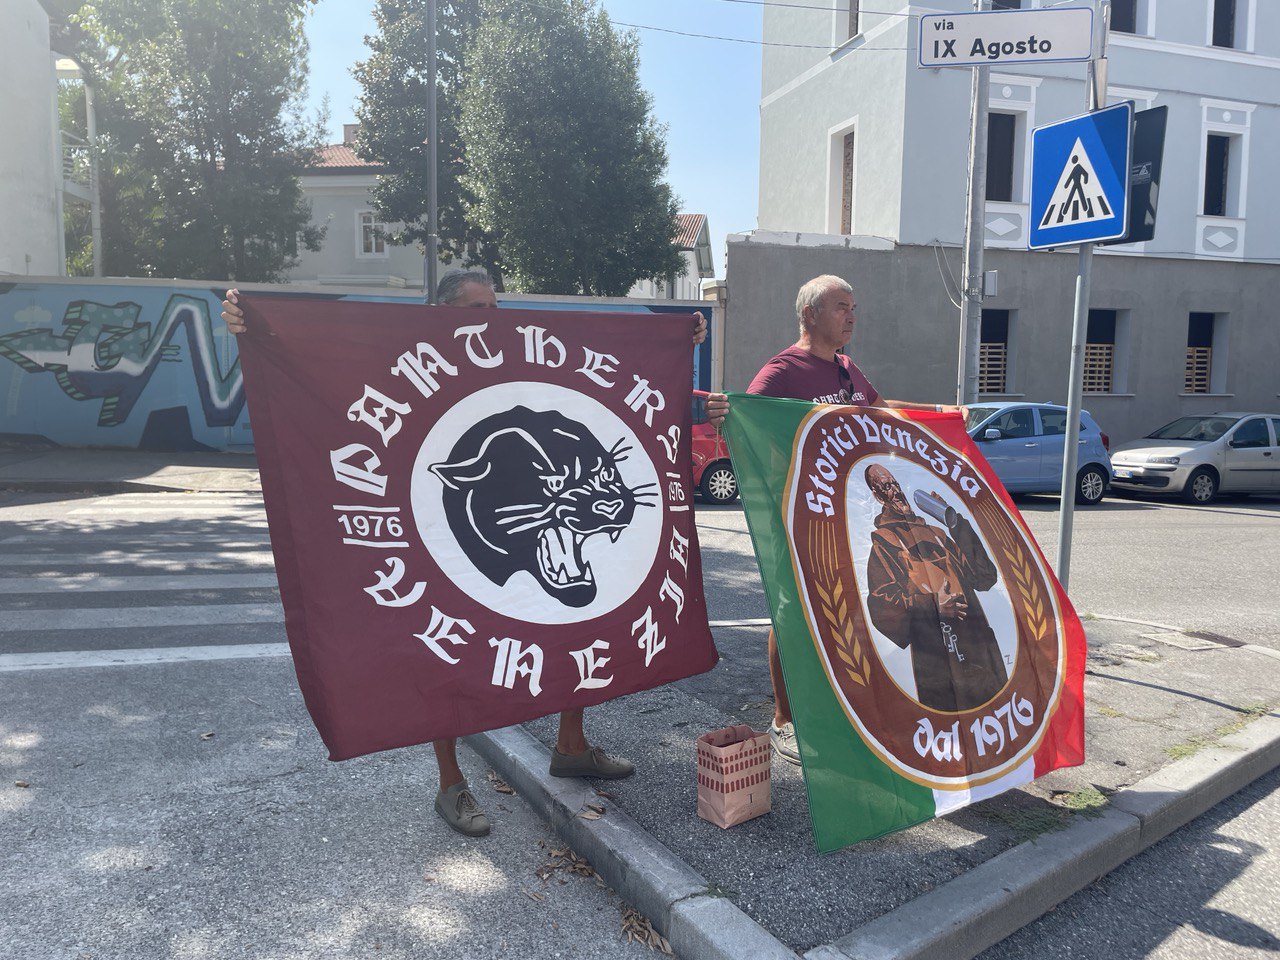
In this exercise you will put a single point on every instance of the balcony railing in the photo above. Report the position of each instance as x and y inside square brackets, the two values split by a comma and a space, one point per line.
[77, 166]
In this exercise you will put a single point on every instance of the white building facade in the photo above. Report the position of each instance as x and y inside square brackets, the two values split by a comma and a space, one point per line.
[29, 151]
[861, 147]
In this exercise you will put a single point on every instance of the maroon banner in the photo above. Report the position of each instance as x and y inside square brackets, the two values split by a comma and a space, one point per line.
[478, 516]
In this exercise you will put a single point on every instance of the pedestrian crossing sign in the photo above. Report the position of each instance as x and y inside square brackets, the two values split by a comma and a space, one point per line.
[1080, 178]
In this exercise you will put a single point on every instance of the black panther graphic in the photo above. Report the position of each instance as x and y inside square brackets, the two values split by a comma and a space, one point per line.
[524, 489]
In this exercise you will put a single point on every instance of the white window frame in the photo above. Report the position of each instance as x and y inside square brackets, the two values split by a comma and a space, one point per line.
[1225, 118]
[360, 251]
[835, 175]
[840, 23]
[1144, 19]
[1246, 25]
[1017, 209]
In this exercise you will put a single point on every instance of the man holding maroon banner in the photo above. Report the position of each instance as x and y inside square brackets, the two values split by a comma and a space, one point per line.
[813, 369]
[573, 755]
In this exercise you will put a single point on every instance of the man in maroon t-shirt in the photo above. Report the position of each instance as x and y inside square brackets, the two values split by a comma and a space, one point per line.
[813, 369]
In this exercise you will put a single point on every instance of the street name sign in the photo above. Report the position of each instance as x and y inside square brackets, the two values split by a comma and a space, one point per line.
[988, 37]
[1080, 178]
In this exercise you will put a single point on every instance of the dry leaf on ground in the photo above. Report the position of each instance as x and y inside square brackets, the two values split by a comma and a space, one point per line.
[638, 928]
[500, 785]
[592, 811]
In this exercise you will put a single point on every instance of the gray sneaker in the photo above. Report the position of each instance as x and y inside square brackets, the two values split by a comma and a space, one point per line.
[783, 739]
[590, 763]
[458, 808]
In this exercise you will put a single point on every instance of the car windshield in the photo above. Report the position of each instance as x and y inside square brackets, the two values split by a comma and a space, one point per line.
[976, 415]
[1195, 429]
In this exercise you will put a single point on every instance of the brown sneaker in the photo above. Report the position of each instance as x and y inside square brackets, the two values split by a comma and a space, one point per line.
[458, 808]
[590, 763]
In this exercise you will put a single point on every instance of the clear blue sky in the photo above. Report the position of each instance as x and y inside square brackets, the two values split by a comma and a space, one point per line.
[707, 92]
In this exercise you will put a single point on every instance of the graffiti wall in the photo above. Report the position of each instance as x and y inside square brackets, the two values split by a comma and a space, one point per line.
[150, 365]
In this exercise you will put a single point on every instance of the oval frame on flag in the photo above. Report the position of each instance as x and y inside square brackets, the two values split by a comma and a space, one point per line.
[939, 749]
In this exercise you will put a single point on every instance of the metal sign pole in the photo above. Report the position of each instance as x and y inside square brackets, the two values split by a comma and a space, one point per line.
[971, 272]
[433, 212]
[1095, 97]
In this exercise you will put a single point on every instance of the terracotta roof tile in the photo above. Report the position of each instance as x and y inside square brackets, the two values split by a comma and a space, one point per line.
[340, 156]
[688, 225]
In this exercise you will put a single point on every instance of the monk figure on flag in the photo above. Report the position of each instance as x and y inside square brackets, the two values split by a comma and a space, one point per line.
[923, 586]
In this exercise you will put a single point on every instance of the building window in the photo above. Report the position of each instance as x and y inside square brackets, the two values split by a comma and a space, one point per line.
[845, 21]
[993, 353]
[1224, 24]
[846, 185]
[372, 241]
[1006, 4]
[1206, 367]
[1002, 150]
[1124, 16]
[1222, 174]
[1199, 370]
[1100, 352]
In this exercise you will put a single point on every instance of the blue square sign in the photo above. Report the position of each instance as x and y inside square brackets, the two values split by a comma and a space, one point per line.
[1080, 178]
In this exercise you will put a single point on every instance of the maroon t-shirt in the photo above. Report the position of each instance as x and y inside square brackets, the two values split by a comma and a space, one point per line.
[797, 374]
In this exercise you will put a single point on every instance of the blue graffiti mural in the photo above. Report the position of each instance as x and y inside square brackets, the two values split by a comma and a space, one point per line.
[146, 364]
[106, 352]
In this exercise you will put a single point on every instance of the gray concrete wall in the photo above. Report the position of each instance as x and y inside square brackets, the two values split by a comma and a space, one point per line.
[906, 338]
[29, 244]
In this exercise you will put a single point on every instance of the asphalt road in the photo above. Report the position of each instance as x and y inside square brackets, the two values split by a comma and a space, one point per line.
[153, 809]
[140, 837]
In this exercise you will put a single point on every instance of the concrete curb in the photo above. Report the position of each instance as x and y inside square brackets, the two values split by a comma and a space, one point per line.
[94, 486]
[643, 871]
[962, 918]
[957, 920]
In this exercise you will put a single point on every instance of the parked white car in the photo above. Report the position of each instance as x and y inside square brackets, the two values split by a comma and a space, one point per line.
[1198, 457]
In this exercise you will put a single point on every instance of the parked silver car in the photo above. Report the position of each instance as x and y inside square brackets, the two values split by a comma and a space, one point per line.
[1198, 457]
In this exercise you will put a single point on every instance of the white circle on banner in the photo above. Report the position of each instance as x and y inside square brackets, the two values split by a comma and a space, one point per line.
[538, 502]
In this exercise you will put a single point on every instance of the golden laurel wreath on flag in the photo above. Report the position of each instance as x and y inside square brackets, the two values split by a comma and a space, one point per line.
[1028, 585]
[832, 605]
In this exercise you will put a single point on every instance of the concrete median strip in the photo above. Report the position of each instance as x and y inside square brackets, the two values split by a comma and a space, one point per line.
[958, 919]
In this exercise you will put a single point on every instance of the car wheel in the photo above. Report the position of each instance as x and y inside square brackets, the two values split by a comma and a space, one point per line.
[1201, 486]
[1091, 484]
[719, 485]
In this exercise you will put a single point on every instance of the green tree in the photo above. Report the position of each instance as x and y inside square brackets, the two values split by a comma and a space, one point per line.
[563, 156]
[393, 124]
[203, 135]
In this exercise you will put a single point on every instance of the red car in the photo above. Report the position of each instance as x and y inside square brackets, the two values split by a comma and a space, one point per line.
[713, 474]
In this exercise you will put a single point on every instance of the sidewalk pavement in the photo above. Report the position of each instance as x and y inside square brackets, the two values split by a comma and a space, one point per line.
[60, 469]
[1175, 723]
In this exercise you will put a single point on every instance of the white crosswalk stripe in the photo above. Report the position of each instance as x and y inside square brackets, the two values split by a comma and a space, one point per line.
[155, 578]
[117, 618]
[92, 583]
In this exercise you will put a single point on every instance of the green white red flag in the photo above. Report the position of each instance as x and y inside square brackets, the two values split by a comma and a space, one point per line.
[931, 657]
